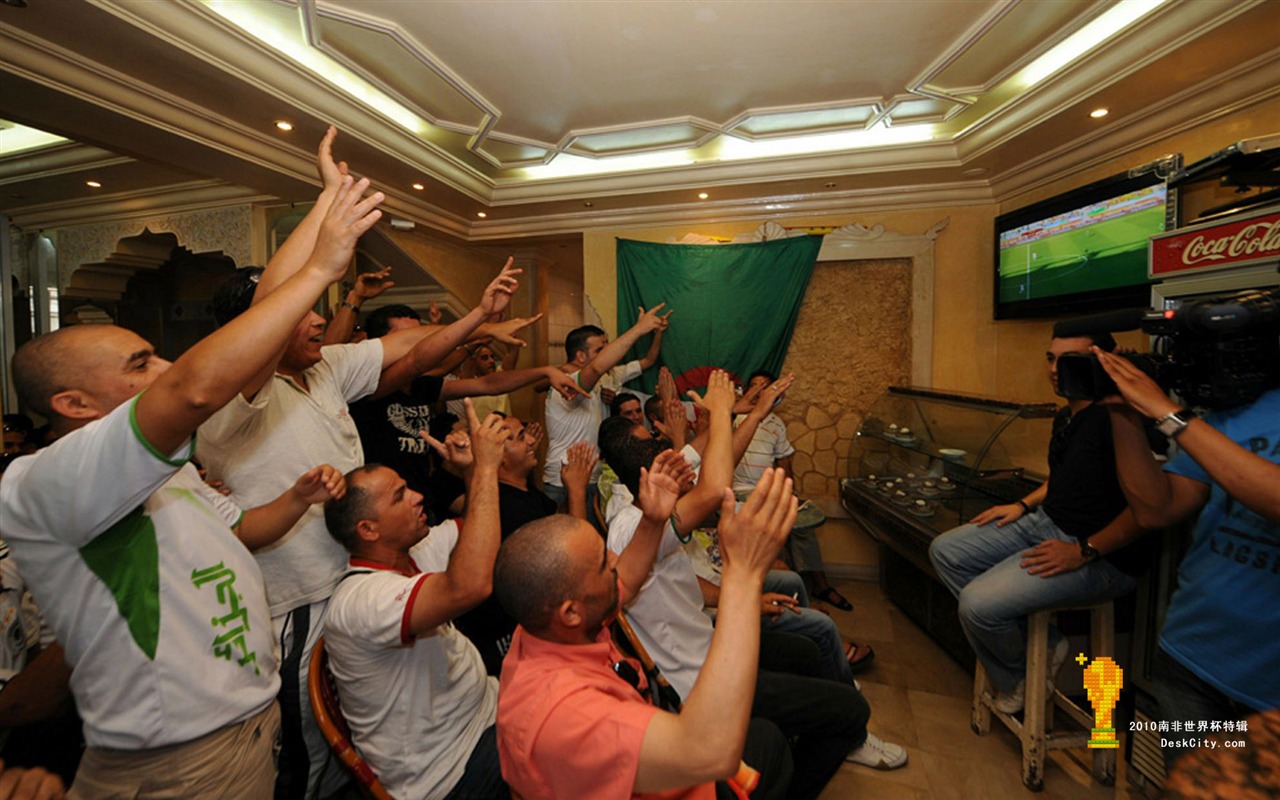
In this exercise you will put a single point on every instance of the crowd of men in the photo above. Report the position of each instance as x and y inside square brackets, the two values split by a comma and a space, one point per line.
[470, 606]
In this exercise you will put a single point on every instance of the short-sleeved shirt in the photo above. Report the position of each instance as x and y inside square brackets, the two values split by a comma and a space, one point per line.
[769, 444]
[1229, 581]
[488, 625]
[667, 612]
[389, 428]
[416, 706]
[159, 607]
[570, 421]
[569, 727]
[260, 448]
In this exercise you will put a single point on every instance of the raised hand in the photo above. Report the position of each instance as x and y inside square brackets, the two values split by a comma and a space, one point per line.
[666, 386]
[1136, 387]
[660, 486]
[455, 449]
[371, 284]
[535, 432]
[771, 394]
[497, 295]
[434, 314]
[580, 461]
[348, 218]
[505, 331]
[331, 173]
[565, 385]
[719, 396]
[751, 536]
[650, 320]
[489, 437]
[320, 484]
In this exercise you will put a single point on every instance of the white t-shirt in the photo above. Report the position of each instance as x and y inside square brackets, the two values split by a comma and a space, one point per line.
[259, 449]
[570, 421]
[159, 607]
[667, 613]
[767, 446]
[416, 707]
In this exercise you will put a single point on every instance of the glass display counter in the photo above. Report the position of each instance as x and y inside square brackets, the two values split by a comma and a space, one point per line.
[926, 461]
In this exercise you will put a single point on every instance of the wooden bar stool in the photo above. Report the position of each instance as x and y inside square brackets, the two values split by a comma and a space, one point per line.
[1035, 731]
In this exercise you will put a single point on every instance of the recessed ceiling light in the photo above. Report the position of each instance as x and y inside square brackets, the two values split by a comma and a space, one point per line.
[481, 214]
[419, 186]
[93, 184]
[284, 125]
[588, 204]
[703, 195]
[1099, 113]
[829, 185]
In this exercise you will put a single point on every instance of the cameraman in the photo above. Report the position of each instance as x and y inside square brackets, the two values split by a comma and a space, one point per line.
[1219, 656]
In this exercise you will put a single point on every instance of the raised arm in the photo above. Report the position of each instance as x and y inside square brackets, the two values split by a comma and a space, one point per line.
[704, 741]
[575, 474]
[219, 366]
[613, 352]
[765, 401]
[265, 525]
[658, 490]
[504, 381]
[717, 462]
[1248, 478]
[469, 577]
[368, 286]
[655, 345]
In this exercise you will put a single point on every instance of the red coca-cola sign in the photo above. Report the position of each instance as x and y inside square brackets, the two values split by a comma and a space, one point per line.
[1201, 248]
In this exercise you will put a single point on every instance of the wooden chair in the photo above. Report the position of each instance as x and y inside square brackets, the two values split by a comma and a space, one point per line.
[328, 712]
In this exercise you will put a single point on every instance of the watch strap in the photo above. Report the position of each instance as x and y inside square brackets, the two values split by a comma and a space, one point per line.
[1175, 422]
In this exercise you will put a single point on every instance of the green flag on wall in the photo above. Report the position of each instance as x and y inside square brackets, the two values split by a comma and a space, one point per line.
[735, 304]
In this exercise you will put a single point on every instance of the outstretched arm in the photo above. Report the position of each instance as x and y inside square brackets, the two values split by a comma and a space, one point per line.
[219, 366]
[658, 490]
[718, 461]
[613, 352]
[469, 576]
[265, 525]
[704, 741]
[575, 474]
[503, 382]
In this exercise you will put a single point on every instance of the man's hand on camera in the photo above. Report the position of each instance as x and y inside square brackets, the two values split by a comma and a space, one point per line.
[1136, 387]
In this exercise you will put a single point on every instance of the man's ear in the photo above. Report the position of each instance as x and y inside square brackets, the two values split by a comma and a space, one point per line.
[367, 530]
[75, 404]
[568, 614]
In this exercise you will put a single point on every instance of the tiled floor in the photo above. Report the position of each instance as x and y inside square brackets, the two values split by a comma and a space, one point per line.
[920, 699]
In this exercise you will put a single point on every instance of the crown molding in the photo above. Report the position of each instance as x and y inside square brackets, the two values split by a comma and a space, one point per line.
[179, 198]
[58, 159]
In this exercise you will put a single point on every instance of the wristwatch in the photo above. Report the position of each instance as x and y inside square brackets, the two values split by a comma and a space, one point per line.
[1175, 422]
[1089, 552]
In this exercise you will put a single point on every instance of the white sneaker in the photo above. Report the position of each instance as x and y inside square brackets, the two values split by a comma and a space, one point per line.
[878, 754]
[1011, 702]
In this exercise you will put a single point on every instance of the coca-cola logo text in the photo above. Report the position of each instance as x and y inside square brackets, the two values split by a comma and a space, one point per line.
[1256, 239]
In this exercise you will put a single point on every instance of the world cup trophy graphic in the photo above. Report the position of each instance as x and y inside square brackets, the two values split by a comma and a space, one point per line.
[1102, 680]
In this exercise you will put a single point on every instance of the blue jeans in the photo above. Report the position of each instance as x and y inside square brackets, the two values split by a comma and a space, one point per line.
[810, 623]
[980, 565]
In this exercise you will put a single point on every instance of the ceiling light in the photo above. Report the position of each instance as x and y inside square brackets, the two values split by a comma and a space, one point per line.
[587, 204]
[93, 184]
[829, 185]
[284, 125]
[419, 186]
[481, 214]
[1099, 113]
[1103, 27]
[703, 195]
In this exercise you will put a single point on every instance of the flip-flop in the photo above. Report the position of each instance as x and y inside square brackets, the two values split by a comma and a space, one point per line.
[831, 596]
[859, 656]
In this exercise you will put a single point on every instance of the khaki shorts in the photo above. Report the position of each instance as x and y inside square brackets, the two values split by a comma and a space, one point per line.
[234, 762]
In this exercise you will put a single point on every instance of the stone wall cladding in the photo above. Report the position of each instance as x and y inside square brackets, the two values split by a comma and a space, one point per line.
[851, 341]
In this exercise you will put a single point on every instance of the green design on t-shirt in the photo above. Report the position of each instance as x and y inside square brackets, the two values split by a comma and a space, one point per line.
[125, 557]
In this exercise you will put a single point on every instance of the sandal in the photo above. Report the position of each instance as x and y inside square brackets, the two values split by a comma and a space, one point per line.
[831, 596]
[859, 656]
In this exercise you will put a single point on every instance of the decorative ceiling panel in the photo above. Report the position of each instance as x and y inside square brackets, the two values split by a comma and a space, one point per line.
[639, 139]
[764, 123]
[911, 109]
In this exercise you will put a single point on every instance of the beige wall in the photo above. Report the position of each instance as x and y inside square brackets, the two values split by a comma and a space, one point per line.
[971, 351]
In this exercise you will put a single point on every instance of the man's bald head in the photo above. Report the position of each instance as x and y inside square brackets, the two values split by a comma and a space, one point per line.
[55, 362]
[535, 571]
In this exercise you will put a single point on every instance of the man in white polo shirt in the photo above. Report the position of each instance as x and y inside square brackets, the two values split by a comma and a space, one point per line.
[414, 690]
[592, 359]
[160, 608]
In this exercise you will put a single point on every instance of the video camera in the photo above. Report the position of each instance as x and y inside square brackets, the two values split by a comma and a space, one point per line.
[1215, 353]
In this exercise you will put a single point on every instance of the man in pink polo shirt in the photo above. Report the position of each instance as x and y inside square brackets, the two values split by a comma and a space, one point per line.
[571, 718]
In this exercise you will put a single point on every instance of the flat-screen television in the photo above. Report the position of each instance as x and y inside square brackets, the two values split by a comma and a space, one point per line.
[1081, 251]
